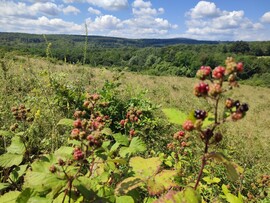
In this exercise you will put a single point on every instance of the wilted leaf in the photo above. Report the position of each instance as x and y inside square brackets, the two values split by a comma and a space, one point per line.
[145, 168]
[127, 185]
[162, 181]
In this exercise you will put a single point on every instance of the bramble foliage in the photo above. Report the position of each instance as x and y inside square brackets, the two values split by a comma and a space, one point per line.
[114, 148]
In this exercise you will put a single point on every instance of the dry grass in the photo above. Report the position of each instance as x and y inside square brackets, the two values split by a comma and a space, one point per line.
[250, 136]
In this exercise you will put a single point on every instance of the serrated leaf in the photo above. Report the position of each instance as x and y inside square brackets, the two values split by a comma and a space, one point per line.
[9, 197]
[8, 160]
[5, 133]
[66, 122]
[161, 182]
[124, 199]
[127, 185]
[121, 139]
[174, 115]
[137, 145]
[42, 182]
[17, 146]
[145, 168]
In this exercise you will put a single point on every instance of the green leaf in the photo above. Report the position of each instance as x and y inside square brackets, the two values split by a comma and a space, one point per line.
[5, 133]
[107, 131]
[136, 145]
[230, 166]
[127, 185]
[64, 152]
[17, 146]
[8, 160]
[145, 168]
[124, 199]
[4, 185]
[9, 197]
[191, 196]
[17, 172]
[42, 182]
[230, 197]
[66, 122]
[119, 161]
[210, 180]
[121, 139]
[174, 115]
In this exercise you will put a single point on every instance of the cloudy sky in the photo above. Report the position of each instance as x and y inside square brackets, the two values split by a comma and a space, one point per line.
[209, 19]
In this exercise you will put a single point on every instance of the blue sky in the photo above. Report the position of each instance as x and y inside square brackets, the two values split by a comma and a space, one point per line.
[207, 20]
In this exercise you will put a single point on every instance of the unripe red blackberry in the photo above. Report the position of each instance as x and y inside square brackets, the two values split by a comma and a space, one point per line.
[78, 154]
[52, 169]
[122, 123]
[218, 72]
[240, 67]
[170, 146]
[132, 132]
[201, 89]
[229, 103]
[179, 135]
[75, 133]
[188, 125]
[77, 123]
[237, 116]
[183, 144]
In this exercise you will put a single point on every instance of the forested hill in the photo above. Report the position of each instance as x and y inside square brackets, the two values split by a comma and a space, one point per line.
[96, 41]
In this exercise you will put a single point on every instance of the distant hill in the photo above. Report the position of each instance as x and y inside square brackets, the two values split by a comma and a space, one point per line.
[96, 41]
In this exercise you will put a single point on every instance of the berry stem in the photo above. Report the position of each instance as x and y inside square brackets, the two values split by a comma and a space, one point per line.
[203, 163]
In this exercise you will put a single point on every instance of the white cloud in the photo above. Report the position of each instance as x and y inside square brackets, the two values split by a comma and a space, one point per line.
[141, 4]
[206, 21]
[71, 9]
[94, 11]
[204, 9]
[46, 8]
[110, 4]
[266, 17]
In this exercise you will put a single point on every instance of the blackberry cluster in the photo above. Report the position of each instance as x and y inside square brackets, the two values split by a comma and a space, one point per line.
[200, 114]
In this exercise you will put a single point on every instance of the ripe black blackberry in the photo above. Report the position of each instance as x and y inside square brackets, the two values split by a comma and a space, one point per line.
[200, 114]
[243, 108]
[237, 103]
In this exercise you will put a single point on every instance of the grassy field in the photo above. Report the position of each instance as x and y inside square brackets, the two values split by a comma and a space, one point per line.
[25, 80]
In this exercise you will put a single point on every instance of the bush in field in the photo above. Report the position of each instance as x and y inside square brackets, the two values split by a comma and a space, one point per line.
[109, 156]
